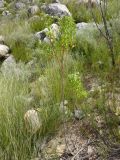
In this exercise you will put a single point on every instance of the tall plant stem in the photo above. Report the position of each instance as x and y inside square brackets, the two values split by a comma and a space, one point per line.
[62, 72]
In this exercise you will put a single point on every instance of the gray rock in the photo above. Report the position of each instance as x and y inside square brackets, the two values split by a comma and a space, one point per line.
[54, 29]
[56, 9]
[9, 61]
[8, 65]
[32, 10]
[19, 5]
[83, 25]
[11, 68]
[85, 28]
[78, 114]
[6, 13]
[46, 40]
[42, 35]
[4, 50]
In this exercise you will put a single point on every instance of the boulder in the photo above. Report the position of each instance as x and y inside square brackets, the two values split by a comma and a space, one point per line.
[32, 120]
[87, 27]
[19, 5]
[32, 10]
[4, 51]
[56, 9]
[83, 25]
[8, 65]
[43, 35]
[9, 62]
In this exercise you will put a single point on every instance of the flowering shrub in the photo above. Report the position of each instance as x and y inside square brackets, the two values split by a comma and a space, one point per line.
[76, 85]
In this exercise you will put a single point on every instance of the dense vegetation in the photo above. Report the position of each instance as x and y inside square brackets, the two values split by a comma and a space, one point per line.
[72, 68]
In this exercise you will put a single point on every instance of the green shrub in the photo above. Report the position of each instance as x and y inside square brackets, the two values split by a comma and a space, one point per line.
[22, 44]
[92, 51]
[51, 119]
[76, 86]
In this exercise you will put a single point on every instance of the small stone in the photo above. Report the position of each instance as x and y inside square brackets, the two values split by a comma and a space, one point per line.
[6, 13]
[19, 5]
[42, 34]
[4, 50]
[33, 10]
[32, 120]
[55, 30]
[90, 150]
[78, 114]
[100, 122]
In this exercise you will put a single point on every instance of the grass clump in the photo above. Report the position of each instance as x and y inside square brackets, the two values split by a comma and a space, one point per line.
[39, 22]
[15, 142]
